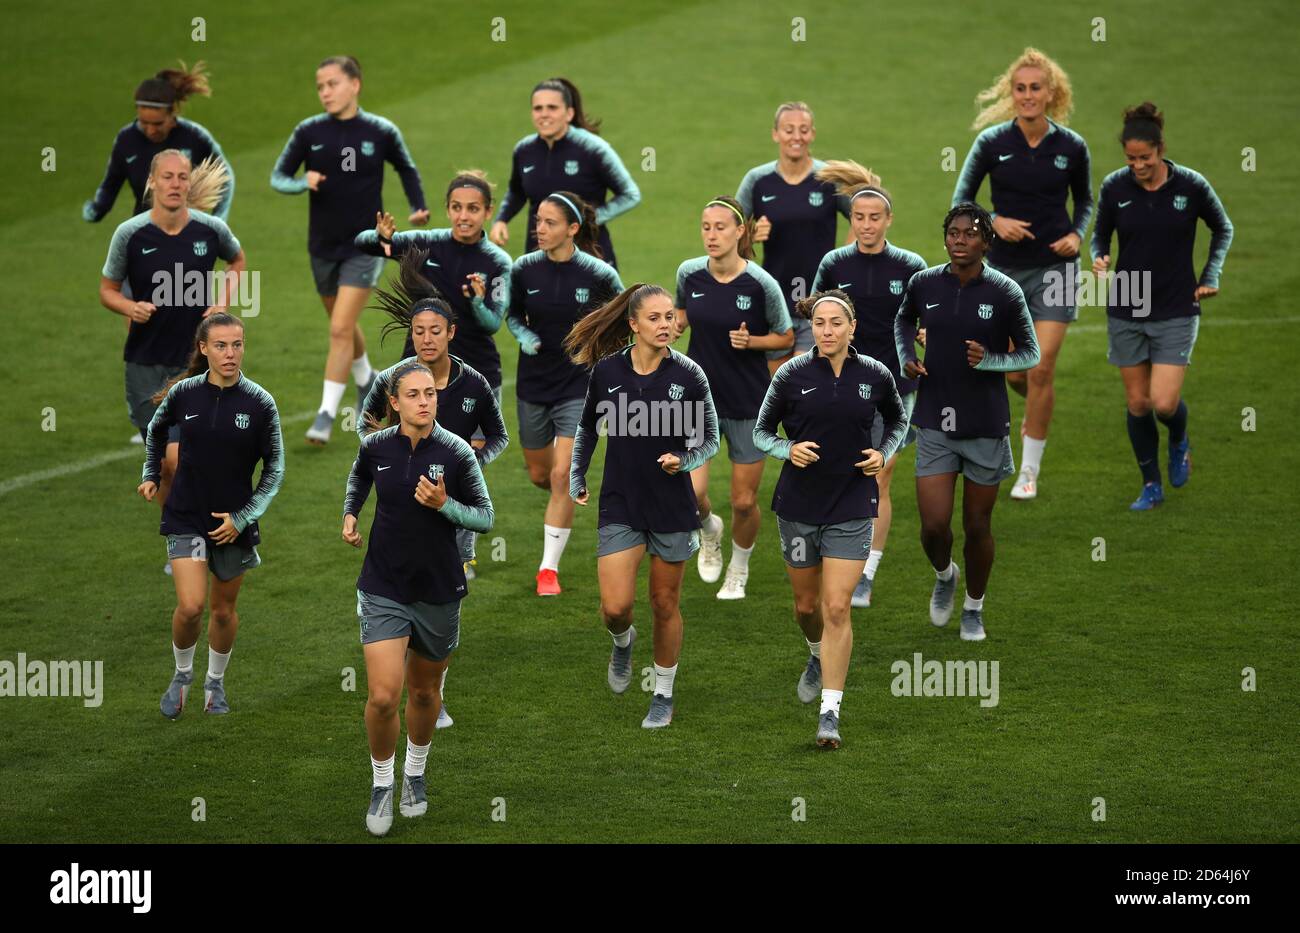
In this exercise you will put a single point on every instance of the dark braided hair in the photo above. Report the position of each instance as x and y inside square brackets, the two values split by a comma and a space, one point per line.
[979, 219]
[409, 295]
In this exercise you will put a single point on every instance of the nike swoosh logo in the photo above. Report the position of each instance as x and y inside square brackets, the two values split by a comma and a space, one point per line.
[188, 417]
[1003, 158]
[844, 285]
[381, 469]
[317, 146]
[533, 291]
[152, 249]
[697, 294]
[430, 262]
[615, 389]
[768, 197]
[929, 306]
[130, 159]
[529, 168]
[806, 391]
[1125, 203]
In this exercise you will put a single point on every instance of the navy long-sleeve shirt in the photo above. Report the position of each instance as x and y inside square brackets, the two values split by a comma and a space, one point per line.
[546, 299]
[224, 434]
[1157, 232]
[875, 282]
[465, 404]
[447, 266]
[1030, 183]
[133, 153]
[644, 417]
[737, 378]
[412, 554]
[956, 398]
[351, 155]
[837, 413]
[149, 259]
[803, 220]
[579, 161]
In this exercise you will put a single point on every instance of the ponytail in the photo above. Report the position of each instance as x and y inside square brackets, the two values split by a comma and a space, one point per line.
[852, 179]
[607, 329]
[587, 238]
[391, 387]
[410, 295]
[199, 362]
[569, 91]
[169, 88]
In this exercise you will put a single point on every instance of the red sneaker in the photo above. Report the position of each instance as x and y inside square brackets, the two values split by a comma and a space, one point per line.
[548, 583]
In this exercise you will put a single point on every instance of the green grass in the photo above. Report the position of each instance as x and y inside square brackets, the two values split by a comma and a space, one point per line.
[1119, 679]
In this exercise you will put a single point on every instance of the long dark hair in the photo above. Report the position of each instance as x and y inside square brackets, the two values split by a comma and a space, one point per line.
[169, 87]
[410, 294]
[373, 424]
[606, 330]
[199, 362]
[569, 91]
[587, 238]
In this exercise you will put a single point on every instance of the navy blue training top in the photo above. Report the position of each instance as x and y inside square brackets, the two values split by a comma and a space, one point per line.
[147, 258]
[447, 266]
[412, 555]
[803, 220]
[1030, 183]
[351, 155]
[875, 282]
[644, 417]
[546, 299]
[579, 161]
[132, 155]
[224, 433]
[837, 413]
[1157, 232]
[737, 378]
[959, 399]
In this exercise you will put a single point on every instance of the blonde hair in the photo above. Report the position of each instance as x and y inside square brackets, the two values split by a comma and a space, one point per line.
[208, 182]
[796, 105]
[996, 101]
[849, 177]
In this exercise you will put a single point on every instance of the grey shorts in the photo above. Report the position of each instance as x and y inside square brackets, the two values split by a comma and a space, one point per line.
[465, 541]
[739, 433]
[983, 460]
[356, 271]
[1130, 343]
[226, 561]
[803, 339]
[878, 425]
[478, 434]
[539, 424]
[433, 628]
[672, 546]
[142, 381]
[1045, 290]
[804, 545]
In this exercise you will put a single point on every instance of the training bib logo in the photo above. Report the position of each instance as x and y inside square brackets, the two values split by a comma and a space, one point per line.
[1062, 162]
[864, 389]
[986, 311]
[571, 167]
[895, 286]
[815, 198]
[743, 302]
[241, 421]
[675, 392]
[581, 294]
[200, 247]
[467, 404]
[435, 472]
[1180, 201]
[367, 147]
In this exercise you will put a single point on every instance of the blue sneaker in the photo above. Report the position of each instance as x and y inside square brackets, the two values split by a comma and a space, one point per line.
[173, 701]
[214, 697]
[1180, 463]
[414, 802]
[972, 625]
[1153, 494]
[942, 598]
[661, 712]
[809, 687]
[828, 730]
[861, 598]
[619, 675]
[379, 818]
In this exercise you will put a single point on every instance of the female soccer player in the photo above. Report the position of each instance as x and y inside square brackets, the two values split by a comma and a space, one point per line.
[408, 594]
[550, 290]
[658, 418]
[829, 401]
[468, 269]
[344, 150]
[796, 212]
[1033, 163]
[565, 154]
[1154, 205]
[736, 313]
[227, 424]
[962, 418]
[159, 255]
[158, 125]
[873, 272]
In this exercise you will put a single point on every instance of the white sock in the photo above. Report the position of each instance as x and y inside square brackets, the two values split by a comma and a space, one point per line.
[831, 701]
[873, 564]
[624, 638]
[740, 557]
[973, 603]
[712, 525]
[361, 371]
[442, 682]
[217, 663]
[184, 657]
[383, 771]
[331, 396]
[664, 680]
[416, 756]
[553, 547]
[1031, 453]
[946, 575]
[815, 647]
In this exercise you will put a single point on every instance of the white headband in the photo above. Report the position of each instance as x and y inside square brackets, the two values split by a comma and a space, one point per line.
[573, 207]
[875, 194]
[839, 301]
[153, 103]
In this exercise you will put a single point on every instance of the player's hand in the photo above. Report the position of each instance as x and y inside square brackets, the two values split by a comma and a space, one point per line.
[420, 217]
[385, 227]
[974, 352]
[873, 464]
[914, 369]
[148, 489]
[477, 286]
[762, 230]
[801, 454]
[226, 532]
[1101, 265]
[1067, 246]
[431, 495]
[582, 497]
[740, 337]
[500, 233]
[670, 463]
[350, 533]
[1204, 291]
[141, 311]
[314, 179]
[1013, 231]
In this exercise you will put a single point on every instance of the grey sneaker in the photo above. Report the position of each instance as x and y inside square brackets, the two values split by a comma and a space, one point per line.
[414, 803]
[214, 696]
[941, 600]
[620, 665]
[379, 818]
[173, 701]
[828, 730]
[444, 719]
[862, 593]
[972, 625]
[810, 682]
[319, 432]
[661, 712]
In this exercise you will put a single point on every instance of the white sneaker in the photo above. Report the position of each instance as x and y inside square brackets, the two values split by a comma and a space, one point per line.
[444, 719]
[1026, 486]
[709, 562]
[734, 586]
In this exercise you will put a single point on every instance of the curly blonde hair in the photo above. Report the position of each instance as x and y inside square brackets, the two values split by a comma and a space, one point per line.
[996, 102]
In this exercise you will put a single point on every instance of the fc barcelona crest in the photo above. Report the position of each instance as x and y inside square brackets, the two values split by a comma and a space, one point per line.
[200, 247]
[675, 392]
[571, 167]
[435, 472]
[986, 311]
[1061, 162]
[895, 286]
[1180, 202]
[367, 147]
[864, 389]
[467, 404]
[815, 198]
[743, 302]
[580, 295]
[241, 421]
